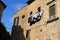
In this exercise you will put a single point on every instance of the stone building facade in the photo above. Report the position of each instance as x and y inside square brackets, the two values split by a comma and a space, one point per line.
[39, 20]
[2, 7]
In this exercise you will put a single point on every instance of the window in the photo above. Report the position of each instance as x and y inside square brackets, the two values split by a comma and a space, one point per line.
[16, 20]
[27, 33]
[52, 11]
[52, 14]
[23, 16]
[39, 9]
[31, 13]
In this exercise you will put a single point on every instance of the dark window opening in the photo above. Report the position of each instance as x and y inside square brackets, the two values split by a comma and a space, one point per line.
[39, 9]
[41, 30]
[16, 20]
[23, 16]
[31, 13]
[52, 11]
[28, 33]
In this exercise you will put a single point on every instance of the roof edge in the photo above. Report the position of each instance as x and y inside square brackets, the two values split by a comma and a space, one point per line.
[3, 4]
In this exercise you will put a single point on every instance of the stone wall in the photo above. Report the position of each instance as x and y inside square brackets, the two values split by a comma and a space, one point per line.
[41, 30]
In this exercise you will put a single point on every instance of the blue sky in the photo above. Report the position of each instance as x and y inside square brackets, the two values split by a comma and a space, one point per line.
[12, 7]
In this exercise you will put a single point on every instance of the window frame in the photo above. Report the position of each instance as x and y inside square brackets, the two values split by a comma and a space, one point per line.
[16, 23]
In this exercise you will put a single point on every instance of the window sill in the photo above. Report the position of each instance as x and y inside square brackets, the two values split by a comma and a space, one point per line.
[52, 20]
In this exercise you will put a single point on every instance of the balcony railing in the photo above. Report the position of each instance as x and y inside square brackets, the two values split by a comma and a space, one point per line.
[35, 18]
